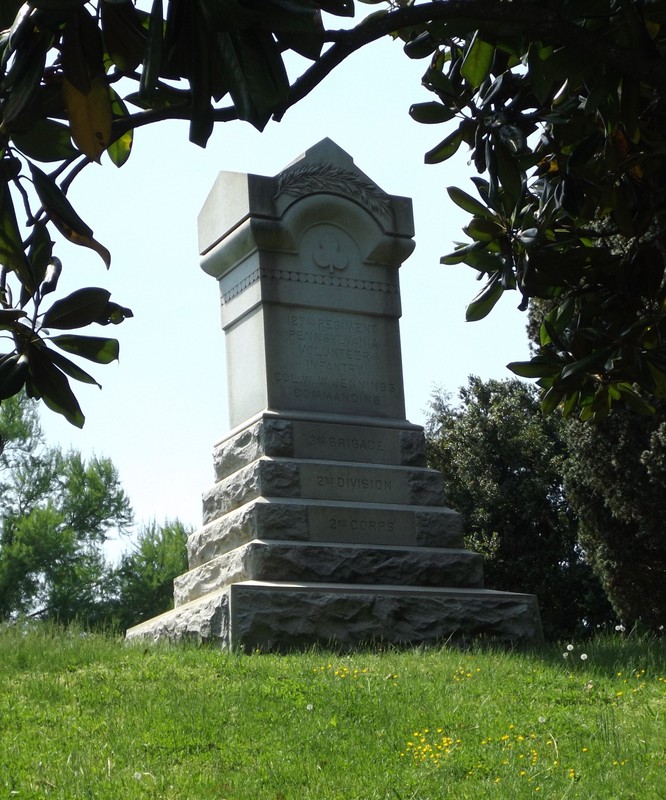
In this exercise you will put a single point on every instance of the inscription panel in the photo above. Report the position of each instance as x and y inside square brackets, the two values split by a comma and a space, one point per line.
[334, 442]
[333, 524]
[369, 485]
[246, 368]
[320, 360]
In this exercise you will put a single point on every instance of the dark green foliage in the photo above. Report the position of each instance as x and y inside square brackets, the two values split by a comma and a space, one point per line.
[68, 69]
[561, 105]
[145, 575]
[503, 464]
[615, 478]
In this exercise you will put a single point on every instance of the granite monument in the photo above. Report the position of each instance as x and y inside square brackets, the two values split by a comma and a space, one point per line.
[324, 524]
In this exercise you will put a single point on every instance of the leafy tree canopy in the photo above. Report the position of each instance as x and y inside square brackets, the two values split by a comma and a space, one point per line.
[503, 464]
[146, 574]
[56, 512]
[561, 104]
[565, 510]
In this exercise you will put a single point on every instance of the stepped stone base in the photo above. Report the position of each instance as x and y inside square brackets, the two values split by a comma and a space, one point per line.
[260, 615]
[327, 563]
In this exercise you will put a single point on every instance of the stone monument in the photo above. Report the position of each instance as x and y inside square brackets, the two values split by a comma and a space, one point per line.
[324, 524]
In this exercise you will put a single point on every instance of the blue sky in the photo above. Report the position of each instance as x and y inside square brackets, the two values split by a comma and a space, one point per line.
[163, 407]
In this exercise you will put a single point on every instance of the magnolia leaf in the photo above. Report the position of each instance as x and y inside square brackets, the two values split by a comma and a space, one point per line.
[469, 203]
[459, 255]
[46, 140]
[83, 241]
[72, 369]
[13, 372]
[305, 44]
[124, 35]
[552, 398]
[201, 122]
[9, 317]
[484, 302]
[40, 253]
[152, 63]
[484, 229]
[634, 401]
[445, 149]
[21, 83]
[63, 215]
[119, 150]
[255, 73]
[538, 367]
[477, 62]
[77, 309]
[587, 363]
[94, 348]
[47, 382]
[341, 8]
[113, 314]
[12, 254]
[430, 113]
[56, 203]
[51, 277]
[90, 116]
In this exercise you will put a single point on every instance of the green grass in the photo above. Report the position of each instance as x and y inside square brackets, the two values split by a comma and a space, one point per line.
[88, 717]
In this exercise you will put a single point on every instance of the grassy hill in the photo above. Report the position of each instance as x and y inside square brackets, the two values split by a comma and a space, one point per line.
[86, 716]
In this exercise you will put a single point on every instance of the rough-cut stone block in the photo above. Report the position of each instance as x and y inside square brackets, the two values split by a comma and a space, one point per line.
[322, 521]
[205, 620]
[321, 441]
[270, 436]
[323, 481]
[271, 616]
[264, 477]
[259, 519]
[413, 448]
[439, 527]
[261, 561]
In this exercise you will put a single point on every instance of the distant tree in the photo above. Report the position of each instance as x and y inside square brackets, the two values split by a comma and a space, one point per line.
[615, 479]
[56, 512]
[145, 575]
[503, 462]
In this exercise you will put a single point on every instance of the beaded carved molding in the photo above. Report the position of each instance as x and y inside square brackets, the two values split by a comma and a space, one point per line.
[304, 277]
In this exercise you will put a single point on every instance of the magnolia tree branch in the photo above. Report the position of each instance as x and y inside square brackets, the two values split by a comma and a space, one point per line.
[545, 23]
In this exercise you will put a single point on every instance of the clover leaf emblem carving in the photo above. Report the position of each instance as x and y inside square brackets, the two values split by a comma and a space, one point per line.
[328, 254]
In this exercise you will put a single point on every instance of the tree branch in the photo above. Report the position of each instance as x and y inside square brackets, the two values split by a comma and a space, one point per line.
[546, 24]
[183, 112]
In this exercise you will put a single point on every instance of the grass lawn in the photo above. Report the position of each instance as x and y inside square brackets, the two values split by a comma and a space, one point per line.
[88, 717]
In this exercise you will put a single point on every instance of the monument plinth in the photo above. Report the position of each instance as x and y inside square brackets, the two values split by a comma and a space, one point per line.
[324, 524]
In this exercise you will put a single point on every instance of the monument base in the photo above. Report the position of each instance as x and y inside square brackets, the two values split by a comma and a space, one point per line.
[259, 615]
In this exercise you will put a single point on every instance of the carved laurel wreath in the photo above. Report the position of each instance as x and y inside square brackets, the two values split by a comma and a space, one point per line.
[309, 179]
